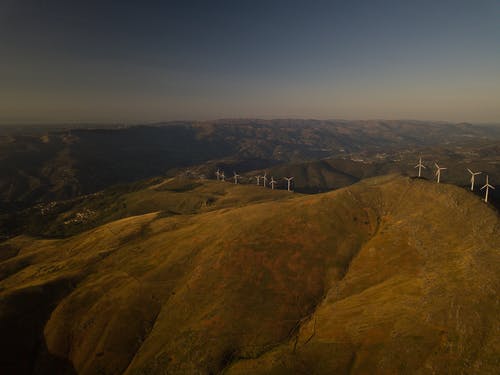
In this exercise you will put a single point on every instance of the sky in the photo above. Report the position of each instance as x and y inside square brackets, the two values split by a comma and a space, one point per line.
[147, 61]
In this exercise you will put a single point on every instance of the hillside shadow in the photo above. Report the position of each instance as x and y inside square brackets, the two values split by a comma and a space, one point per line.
[48, 363]
[23, 315]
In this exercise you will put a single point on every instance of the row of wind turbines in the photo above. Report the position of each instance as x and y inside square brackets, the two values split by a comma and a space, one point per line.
[272, 182]
[486, 186]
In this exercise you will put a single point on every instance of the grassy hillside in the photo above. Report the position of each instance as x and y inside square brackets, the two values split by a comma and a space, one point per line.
[170, 196]
[390, 275]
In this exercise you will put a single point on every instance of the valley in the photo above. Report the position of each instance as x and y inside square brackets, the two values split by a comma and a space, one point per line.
[46, 174]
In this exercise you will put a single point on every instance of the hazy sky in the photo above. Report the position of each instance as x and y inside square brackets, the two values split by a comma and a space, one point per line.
[140, 61]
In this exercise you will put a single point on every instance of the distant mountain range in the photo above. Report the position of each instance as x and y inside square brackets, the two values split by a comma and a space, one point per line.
[63, 164]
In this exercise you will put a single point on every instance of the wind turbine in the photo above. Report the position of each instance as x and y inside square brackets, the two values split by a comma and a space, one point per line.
[487, 186]
[218, 174]
[420, 166]
[289, 180]
[472, 174]
[258, 180]
[236, 175]
[265, 178]
[438, 172]
[273, 182]
[222, 176]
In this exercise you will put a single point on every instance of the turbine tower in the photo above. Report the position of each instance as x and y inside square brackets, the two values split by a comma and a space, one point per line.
[289, 181]
[488, 187]
[258, 180]
[438, 172]
[472, 175]
[218, 174]
[222, 176]
[420, 166]
[236, 175]
[273, 182]
[265, 178]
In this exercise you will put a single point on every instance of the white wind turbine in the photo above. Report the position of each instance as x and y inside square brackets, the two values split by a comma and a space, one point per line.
[258, 179]
[222, 176]
[236, 175]
[273, 182]
[487, 186]
[289, 181]
[217, 173]
[438, 172]
[265, 178]
[472, 175]
[420, 166]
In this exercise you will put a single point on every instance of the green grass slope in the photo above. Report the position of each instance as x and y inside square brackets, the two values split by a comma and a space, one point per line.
[390, 275]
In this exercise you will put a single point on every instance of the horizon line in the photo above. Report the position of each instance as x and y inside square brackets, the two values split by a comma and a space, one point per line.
[219, 119]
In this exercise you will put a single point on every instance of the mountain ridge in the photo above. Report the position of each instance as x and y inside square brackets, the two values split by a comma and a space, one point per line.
[341, 281]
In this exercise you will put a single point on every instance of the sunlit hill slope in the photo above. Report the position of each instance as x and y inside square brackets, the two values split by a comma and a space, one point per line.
[390, 275]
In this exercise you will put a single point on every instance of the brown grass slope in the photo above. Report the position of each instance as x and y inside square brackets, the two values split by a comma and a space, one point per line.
[391, 275]
[179, 195]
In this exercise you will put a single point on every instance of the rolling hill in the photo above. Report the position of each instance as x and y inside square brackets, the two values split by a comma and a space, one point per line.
[333, 173]
[389, 275]
[172, 196]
